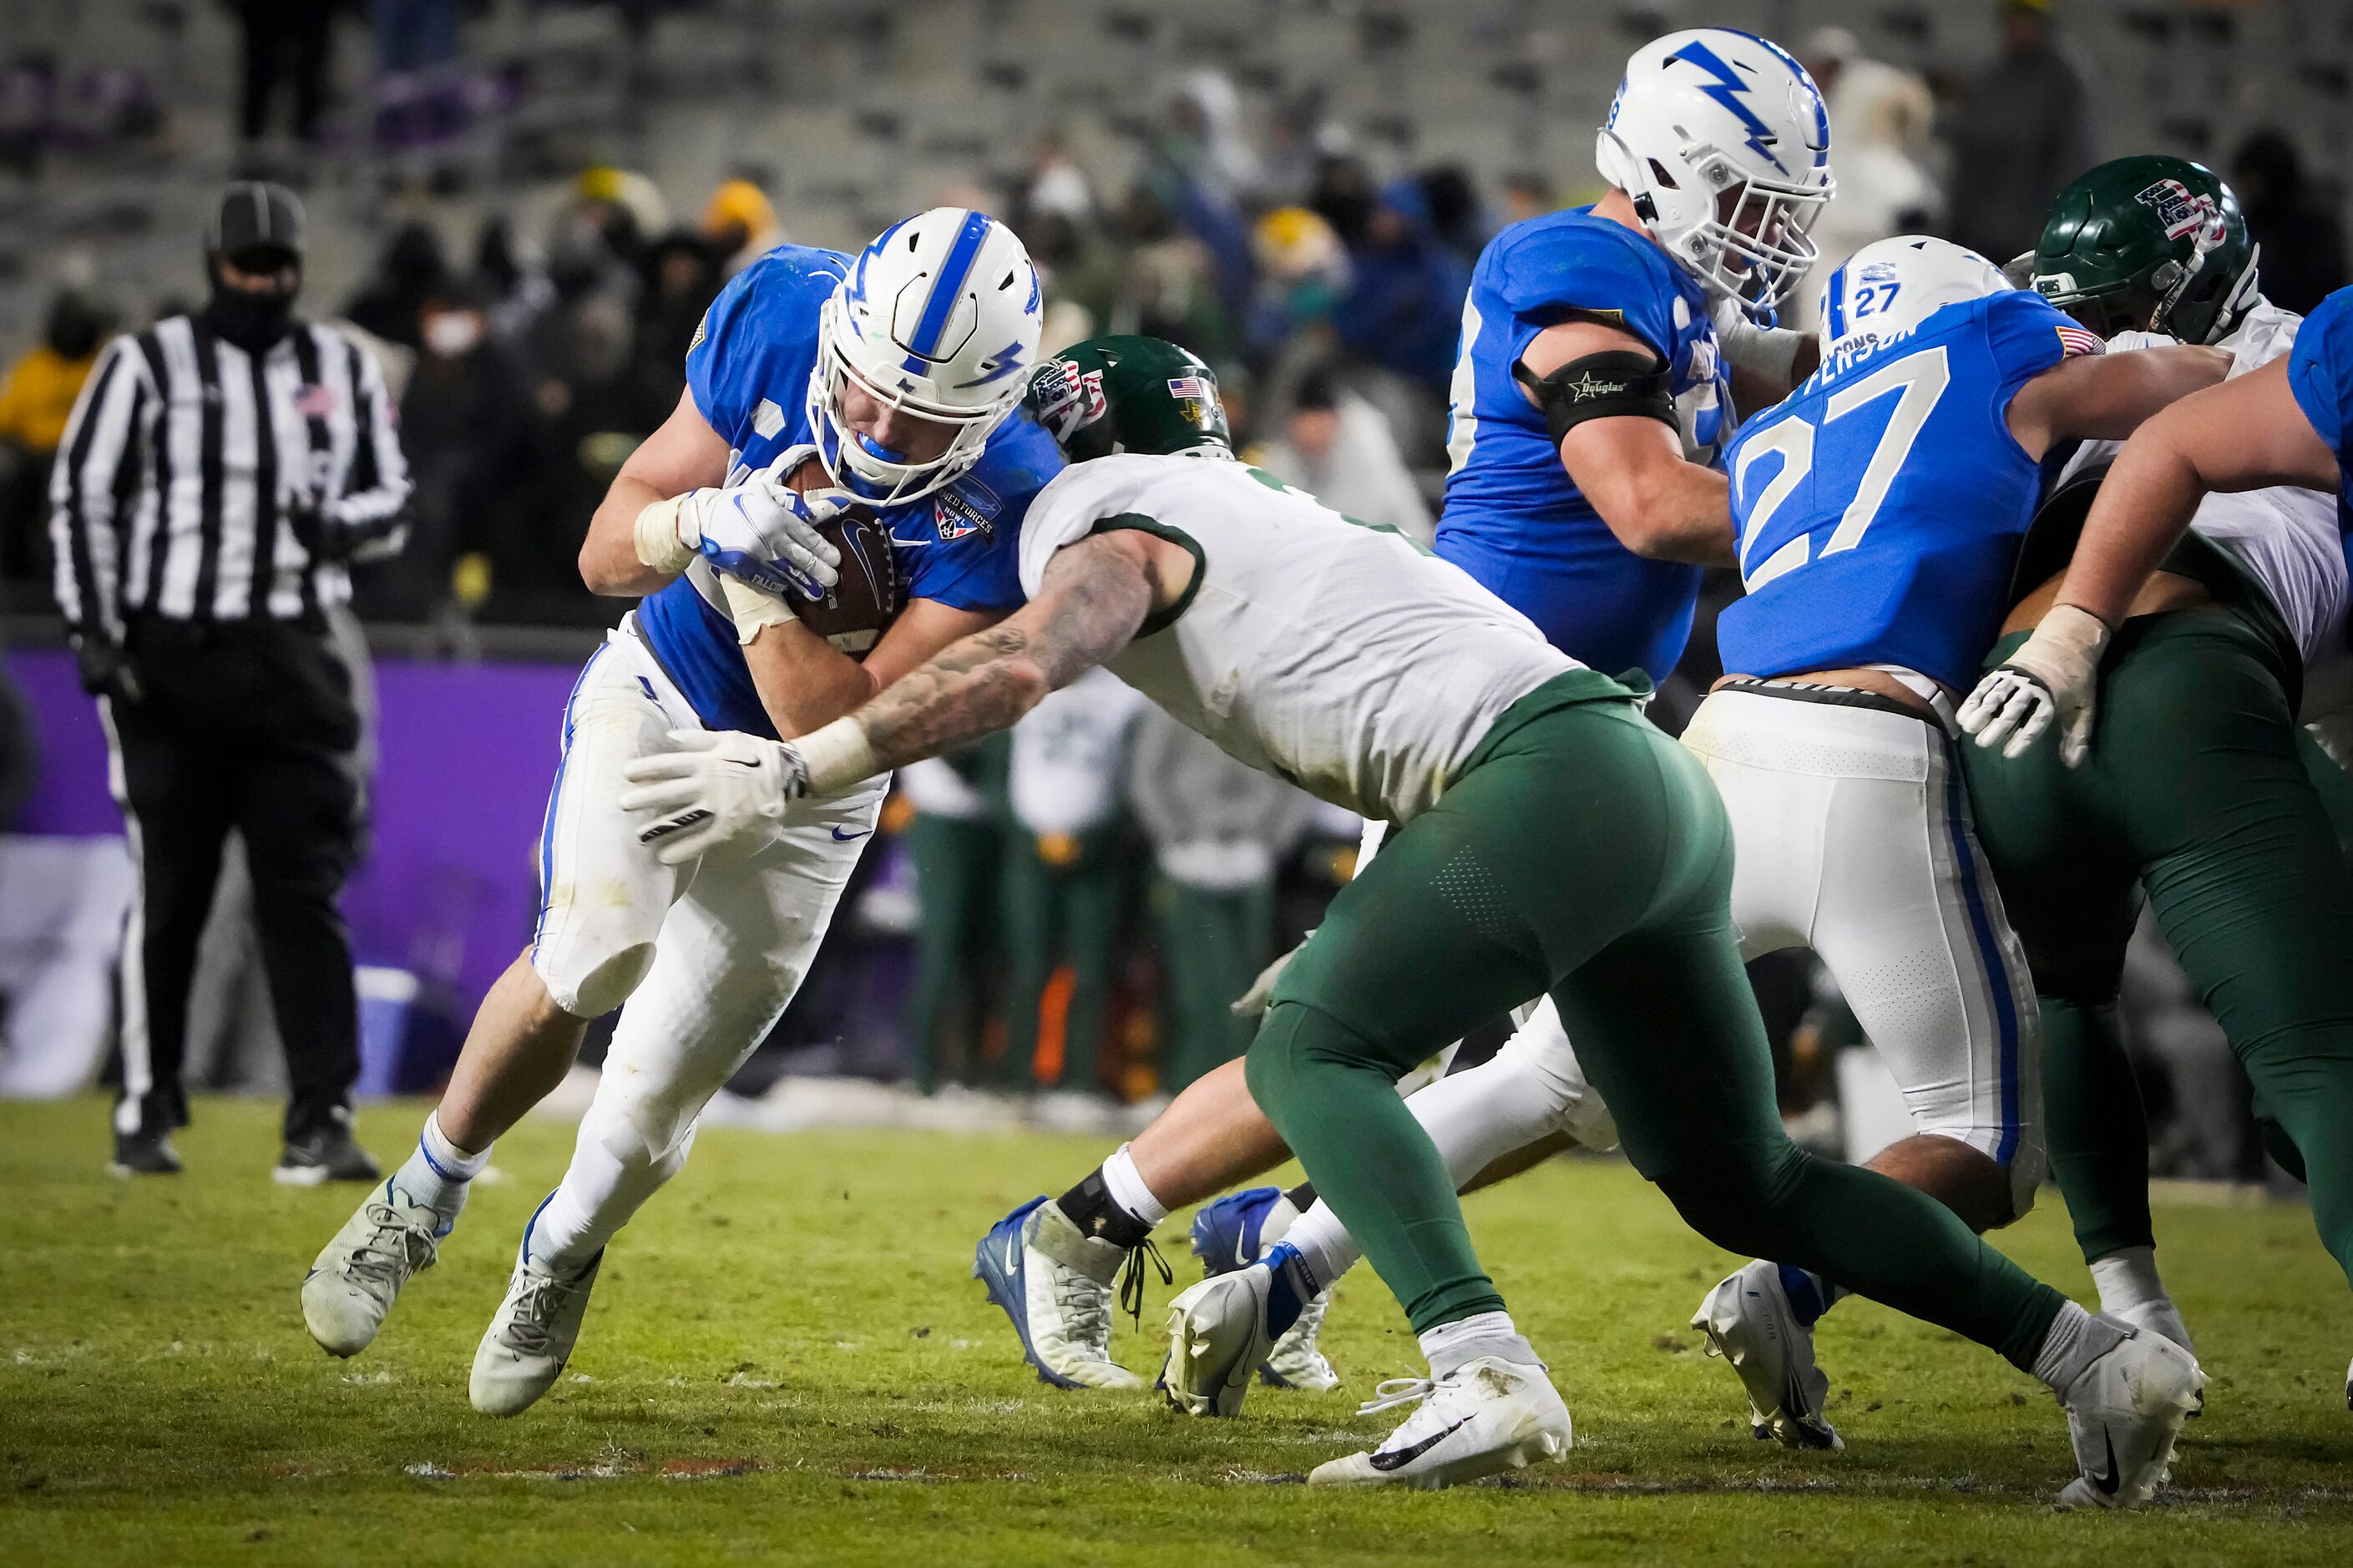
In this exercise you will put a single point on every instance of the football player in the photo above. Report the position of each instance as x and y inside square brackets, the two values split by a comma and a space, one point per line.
[1878, 514]
[1591, 397]
[2196, 646]
[899, 371]
[1390, 683]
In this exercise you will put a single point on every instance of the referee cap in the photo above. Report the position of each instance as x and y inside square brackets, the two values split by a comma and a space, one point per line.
[256, 216]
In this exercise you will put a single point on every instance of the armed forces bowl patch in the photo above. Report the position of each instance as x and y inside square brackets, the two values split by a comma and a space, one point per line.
[965, 507]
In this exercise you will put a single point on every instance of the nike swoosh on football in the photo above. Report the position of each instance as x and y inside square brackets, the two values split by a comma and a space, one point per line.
[840, 837]
[1403, 1456]
[2115, 1477]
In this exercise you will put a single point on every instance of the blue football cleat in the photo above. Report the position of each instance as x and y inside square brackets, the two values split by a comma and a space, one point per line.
[1229, 1234]
[1055, 1285]
[1232, 1234]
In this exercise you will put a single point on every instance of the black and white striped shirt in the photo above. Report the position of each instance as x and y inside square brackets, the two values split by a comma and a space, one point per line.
[189, 466]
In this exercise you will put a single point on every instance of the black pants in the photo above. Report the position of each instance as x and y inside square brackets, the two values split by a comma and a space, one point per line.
[285, 41]
[251, 726]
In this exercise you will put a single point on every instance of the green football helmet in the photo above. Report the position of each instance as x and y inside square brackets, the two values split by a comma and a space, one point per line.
[1127, 393]
[2148, 243]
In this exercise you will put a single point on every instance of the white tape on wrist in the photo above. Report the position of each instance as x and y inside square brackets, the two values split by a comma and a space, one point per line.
[836, 756]
[2066, 648]
[655, 532]
[753, 610]
[1769, 352]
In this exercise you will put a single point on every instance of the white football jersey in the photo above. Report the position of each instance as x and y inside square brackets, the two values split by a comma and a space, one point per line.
[1335, 655]
[2286, 536]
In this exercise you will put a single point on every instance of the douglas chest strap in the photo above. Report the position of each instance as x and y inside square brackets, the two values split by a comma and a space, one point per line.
[1601, 387]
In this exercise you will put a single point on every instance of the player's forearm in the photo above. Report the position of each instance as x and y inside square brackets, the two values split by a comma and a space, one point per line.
[2153, 380]
[1095, 596]
[978, 687]
[1684, 514]
[804, 681]
[609, 563]
[2143, 508]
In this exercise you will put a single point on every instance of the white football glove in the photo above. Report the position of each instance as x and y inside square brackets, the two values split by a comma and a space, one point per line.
[715, 789]
[2054, 674]
[760, 531]
[766, 534]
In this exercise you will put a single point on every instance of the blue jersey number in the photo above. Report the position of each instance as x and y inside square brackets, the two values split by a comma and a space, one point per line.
[1918, 381]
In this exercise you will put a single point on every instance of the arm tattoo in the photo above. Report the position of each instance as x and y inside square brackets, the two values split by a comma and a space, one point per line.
[1094, 597]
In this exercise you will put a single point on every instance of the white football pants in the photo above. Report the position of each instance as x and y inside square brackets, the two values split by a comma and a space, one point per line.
[701, 959]
[1851, 836]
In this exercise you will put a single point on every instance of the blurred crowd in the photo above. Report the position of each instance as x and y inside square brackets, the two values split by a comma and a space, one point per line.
[1323, 280]
[1092, 890]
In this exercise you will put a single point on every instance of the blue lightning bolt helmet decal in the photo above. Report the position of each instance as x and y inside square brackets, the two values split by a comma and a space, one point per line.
[1729, 91]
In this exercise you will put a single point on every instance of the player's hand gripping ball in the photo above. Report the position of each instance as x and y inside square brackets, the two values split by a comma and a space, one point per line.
[859, 606]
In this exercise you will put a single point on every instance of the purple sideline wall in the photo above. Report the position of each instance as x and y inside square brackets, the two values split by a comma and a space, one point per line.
[447, 886]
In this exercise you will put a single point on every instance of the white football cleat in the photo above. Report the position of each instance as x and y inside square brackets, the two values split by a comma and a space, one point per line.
[1749, 1323]
[530, 1338]
[1221, 1329]
[2162, 1318]
[1234, 1233]
[1297, 1360]
[1485, 1417]
[350, 1290]
[1055, 1284]
[2123, 1413]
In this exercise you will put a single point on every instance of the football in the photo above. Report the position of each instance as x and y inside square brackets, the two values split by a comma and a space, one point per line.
[857, 610]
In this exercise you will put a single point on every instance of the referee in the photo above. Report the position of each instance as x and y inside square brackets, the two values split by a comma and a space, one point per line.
[219, 472]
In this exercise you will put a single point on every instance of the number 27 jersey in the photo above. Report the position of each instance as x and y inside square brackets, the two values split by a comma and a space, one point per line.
[1877, 511]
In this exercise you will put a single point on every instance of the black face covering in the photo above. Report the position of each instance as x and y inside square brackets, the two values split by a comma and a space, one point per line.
[251, 321]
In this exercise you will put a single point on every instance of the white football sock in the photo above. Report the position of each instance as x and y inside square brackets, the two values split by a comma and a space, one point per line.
[436, 1171]
[1449, 1345]
[2077, 1339]
[1323, 1243]
[1128, 1190]
[2127, 1279]
[613, 1173]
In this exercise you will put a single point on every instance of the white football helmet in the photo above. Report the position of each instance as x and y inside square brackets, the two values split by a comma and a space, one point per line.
[1722, 140]
[938, 319]
[1891, 286]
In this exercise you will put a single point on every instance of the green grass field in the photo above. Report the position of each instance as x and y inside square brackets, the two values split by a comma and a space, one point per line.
[786, 1360]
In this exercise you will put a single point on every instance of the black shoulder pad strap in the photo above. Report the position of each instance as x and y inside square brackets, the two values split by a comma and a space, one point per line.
[1601, 387]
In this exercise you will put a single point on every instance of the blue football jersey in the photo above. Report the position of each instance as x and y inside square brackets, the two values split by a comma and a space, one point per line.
[1514, 519]
[2321, 373]
[1878, 512]
[748, 370]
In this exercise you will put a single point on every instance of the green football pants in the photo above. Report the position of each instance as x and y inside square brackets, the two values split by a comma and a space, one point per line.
[956, 862]
[2196, 790]
[1052, 915]
[1582, 852]
[1212, 945]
